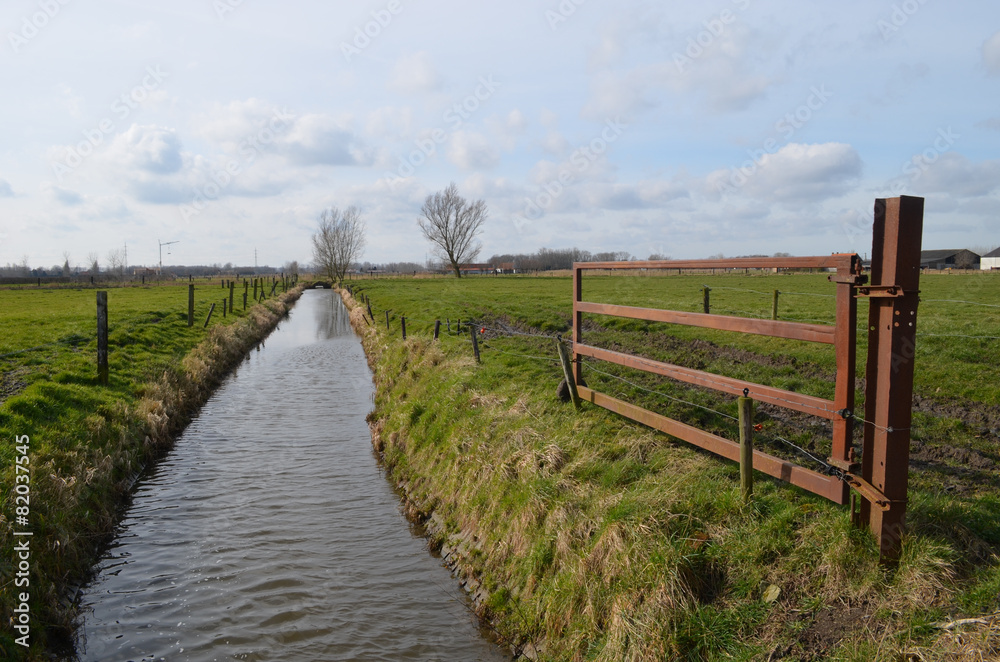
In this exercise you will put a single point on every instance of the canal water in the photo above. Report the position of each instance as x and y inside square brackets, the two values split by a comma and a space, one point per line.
[269, 533]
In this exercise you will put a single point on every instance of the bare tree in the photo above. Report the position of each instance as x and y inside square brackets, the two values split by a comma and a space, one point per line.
[339, 241]
[66, 268]
[116, 263]
[451, 223]
[93, 260]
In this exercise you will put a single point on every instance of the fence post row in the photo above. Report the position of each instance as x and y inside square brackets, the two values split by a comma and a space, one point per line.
[568, 372]
[880, 480]
[746, 446]
[190, 305]
[475, 341]
[102, 337]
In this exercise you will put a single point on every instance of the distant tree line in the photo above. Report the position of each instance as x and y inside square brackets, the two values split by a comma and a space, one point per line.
[546, 259]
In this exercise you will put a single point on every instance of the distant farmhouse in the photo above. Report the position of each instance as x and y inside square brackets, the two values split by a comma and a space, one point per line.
[991, 260]
[952, 258]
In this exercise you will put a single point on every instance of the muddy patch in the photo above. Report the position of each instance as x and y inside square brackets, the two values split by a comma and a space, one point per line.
[825, 631]
[11, 384]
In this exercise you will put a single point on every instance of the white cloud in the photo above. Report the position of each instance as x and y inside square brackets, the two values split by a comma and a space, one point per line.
[471, 151]
[390, 123]
[5, 190]
[62, 195]
[321, 140]
[991, 54]
[153, 149]
[953, 173]
[797, 172]
[414, 74]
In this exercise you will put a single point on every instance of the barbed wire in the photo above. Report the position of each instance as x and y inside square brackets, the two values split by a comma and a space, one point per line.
[660, 393]
[971, 303]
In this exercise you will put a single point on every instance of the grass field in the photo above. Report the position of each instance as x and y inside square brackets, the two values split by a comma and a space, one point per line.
[89, 442]
[598, 539]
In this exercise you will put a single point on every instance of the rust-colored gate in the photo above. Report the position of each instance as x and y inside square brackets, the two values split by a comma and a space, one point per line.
[881, 477]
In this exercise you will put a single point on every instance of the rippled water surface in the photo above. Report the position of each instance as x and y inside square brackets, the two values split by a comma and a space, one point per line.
[268, 533]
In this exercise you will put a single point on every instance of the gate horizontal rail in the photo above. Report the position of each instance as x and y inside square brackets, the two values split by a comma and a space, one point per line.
[881, 478]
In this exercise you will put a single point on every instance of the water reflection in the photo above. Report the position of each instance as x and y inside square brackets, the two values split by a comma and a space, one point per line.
[269, 534]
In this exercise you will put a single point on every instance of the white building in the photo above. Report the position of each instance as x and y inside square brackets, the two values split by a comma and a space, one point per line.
[990, 261]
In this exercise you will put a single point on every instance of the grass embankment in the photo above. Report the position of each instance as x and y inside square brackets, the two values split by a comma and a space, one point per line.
[598, 539]
[88, 443]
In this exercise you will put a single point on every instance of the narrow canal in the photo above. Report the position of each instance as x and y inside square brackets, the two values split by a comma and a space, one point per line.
[269, 533]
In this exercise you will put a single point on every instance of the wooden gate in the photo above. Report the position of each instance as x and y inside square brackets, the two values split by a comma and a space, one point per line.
[881, 477]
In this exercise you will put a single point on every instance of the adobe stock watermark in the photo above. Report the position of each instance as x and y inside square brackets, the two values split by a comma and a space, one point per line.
[364, 35]
[455, 116]
[122, 108]
[785, 129]
[912, 170]
[32, 26]
[223, 7]
[900, 16]
[714, 28]
[562, 13]
[581, 160]
[249, 148]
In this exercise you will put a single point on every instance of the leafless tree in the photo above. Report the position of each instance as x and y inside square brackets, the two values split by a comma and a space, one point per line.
[451, 223]
[67, 269]
[93, 259]
[116, 263]
[339, 241]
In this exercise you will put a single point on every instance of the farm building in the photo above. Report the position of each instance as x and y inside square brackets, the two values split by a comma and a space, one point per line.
[991, 260]
[951, 258]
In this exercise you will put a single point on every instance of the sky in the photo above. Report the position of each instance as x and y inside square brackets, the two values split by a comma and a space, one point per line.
[687, 129]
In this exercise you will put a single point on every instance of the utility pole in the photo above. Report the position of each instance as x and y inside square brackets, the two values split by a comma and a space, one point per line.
[162, 244]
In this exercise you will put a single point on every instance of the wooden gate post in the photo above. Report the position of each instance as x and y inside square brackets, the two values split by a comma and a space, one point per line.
[190, 305]
[892, 326]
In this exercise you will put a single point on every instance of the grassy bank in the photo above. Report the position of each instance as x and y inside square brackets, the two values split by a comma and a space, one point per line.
[88, 443]
[594, 538]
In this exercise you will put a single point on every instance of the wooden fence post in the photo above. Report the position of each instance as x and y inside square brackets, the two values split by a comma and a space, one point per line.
[437, 328]
[746, 448]
[706, 302]
[402, 323]
[893, 297]
[774, 305]
[230, 296]
[475, 341]
[386, 320]
[370, 314]
[210, 311]
[190, 305]
[567, 367]
[224, 302]
[102, 337]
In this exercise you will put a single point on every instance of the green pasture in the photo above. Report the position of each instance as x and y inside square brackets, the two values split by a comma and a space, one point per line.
[604, 540]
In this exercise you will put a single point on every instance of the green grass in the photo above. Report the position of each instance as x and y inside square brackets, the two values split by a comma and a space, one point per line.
[88, 442]
[602, 540]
